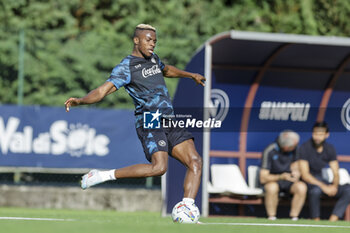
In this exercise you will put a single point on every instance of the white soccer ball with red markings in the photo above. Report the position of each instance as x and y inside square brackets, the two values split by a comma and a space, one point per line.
[185, 213]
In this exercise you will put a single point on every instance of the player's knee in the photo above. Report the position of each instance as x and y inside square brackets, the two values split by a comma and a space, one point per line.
[301, 188]
[315, 191]
[159, 169]
[271, 188]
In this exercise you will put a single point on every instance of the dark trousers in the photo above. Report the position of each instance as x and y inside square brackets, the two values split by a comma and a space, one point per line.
[314, 196]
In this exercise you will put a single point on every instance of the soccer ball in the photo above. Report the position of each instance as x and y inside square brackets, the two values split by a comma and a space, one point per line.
[185, 213]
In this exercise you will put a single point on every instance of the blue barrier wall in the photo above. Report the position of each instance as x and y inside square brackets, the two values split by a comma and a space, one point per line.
[48, 137]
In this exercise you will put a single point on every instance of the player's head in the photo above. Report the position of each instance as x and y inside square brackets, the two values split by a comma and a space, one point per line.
[288, 140]
[320, 132]
[145, 39]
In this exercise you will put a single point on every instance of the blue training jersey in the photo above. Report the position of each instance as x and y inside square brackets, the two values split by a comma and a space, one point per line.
[144, 81]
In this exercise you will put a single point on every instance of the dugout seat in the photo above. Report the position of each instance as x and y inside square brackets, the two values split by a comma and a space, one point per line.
[253, 176]
[228, 179]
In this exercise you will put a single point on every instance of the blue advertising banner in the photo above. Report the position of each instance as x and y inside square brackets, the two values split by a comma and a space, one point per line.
[48, 137]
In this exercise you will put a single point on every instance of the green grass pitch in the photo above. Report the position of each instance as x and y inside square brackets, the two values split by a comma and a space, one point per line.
[12, 220]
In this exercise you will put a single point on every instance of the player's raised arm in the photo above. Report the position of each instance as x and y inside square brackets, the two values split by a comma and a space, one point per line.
[92, 97]
[172, 71]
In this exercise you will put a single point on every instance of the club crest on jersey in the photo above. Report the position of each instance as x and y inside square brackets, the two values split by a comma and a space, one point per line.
[153, 60]
[151, 71]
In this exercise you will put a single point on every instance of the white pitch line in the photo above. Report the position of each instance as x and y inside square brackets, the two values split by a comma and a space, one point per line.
[35, 219]
[275, 225]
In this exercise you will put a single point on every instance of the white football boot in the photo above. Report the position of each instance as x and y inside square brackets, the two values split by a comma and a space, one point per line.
[90, 179]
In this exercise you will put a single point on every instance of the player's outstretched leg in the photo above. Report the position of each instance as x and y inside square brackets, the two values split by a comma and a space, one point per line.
[157, 168]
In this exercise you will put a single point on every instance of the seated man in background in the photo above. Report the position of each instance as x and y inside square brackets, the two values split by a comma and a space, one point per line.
[280, 172]
[316, 154]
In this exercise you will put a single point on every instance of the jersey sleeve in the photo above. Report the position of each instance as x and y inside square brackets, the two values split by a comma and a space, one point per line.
[266, 159]
[120, 75]
[332, 153]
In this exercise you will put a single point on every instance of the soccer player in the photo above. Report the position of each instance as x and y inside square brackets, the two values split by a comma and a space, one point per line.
[142, 75]
[280, 172]
[316, 154]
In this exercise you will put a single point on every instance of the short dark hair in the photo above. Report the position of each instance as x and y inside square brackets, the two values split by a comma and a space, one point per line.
[321, 124]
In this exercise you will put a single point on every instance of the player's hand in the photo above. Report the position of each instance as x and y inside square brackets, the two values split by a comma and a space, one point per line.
[71, 102]
[296, 174]
[199, 79]
[288, 176]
